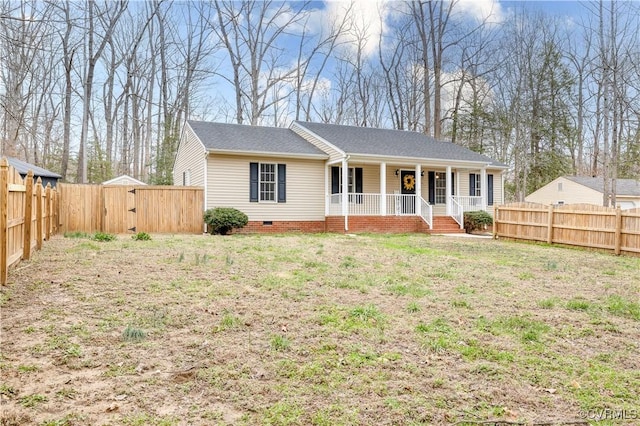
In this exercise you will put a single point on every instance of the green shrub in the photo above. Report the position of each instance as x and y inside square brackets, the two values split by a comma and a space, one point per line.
[141, 236]
[102, 236]
[476, 220]
[222, 220]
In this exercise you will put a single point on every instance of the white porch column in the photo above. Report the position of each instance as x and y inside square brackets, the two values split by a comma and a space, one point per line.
[327, 192]
[383, 189]
[418, 190]
[448, 191]
[483, 187]
[345, 191]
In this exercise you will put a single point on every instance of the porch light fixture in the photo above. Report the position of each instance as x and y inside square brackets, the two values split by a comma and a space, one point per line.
[397, 172]
[422, 173]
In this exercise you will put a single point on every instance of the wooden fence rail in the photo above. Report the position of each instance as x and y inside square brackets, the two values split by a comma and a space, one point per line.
[28, 215]
[583, 225]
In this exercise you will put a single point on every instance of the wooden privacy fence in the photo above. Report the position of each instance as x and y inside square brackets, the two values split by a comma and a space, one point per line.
[584, 225]
[28, 215]
[122, 209]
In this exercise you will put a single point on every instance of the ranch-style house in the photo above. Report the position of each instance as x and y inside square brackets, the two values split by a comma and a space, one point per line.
[315, 177]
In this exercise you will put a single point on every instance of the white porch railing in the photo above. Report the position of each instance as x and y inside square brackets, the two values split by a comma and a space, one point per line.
[457, 211]
[469, 203]
[359, 204]
[369, 205]
[426, 212]
[401, 205]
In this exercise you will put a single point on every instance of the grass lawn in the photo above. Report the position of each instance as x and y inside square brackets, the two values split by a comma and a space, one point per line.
[319, 330]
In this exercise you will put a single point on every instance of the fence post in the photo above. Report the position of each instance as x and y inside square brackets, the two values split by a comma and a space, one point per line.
[56, 211]
[28, 216]
[47, 214]
[495, 222]
[618, 239]
[39, 213]
[4, 211]
[550, 225]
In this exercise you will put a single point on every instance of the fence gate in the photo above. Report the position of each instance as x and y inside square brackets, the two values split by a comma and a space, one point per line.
[119, 209]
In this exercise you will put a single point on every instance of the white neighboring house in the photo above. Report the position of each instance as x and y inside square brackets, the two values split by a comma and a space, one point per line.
[588, 190]
[125, 180]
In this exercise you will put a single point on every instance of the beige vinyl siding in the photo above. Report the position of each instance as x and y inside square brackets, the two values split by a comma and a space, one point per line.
[571, 193]
[333, 153]
[190, 157]
[228, 186]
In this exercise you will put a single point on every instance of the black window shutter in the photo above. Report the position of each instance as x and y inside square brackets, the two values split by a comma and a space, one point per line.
[453, 183]
[472, 184]
[490, 190]
[432, 187]
[359, 179]
[253, 182]
[335, 180]
[282, 183]
[358, 184]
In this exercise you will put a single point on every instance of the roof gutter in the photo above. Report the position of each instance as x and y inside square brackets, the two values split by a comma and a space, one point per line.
[431, 161]
[269, 154]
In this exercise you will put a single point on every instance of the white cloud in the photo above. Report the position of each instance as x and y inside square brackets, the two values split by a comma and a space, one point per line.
[366, 19]
[481, 10]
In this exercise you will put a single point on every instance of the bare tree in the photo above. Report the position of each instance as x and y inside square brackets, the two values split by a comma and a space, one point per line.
[251, 32]
[108, 18]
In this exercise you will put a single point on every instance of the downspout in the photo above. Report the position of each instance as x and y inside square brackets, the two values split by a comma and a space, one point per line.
[345, 191]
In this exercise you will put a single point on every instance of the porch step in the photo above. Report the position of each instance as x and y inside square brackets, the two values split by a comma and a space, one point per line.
[445, 225]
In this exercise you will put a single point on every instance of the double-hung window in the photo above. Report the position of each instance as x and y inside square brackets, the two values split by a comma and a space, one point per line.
[441, 188]
[268, 182]
[351, 183]
[476, 185]
[354, 180]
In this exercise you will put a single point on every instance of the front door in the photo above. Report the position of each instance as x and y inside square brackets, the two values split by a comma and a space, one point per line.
[408, 187]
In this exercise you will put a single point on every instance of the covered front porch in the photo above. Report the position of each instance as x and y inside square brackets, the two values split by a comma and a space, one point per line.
[425, 191]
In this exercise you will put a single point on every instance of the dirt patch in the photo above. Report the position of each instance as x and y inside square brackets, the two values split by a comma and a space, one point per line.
[318, 329]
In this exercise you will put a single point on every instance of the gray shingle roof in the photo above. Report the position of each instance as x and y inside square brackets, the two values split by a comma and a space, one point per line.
[23, 168]
[393, 143]
[237, 137]
[629, 187]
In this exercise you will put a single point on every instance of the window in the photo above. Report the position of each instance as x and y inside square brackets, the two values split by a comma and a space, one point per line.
[351, 183]
[475, 180]
[559, 186]
[441, 188]
[186, 178]
[354, 184]
[267, 182]
[475, 187]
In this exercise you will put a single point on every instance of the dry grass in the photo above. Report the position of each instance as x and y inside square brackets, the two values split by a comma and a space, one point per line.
[318, 330]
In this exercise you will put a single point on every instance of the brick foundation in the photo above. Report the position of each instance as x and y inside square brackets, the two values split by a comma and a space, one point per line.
[373, 224]
[279, 227]
[378, 224]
